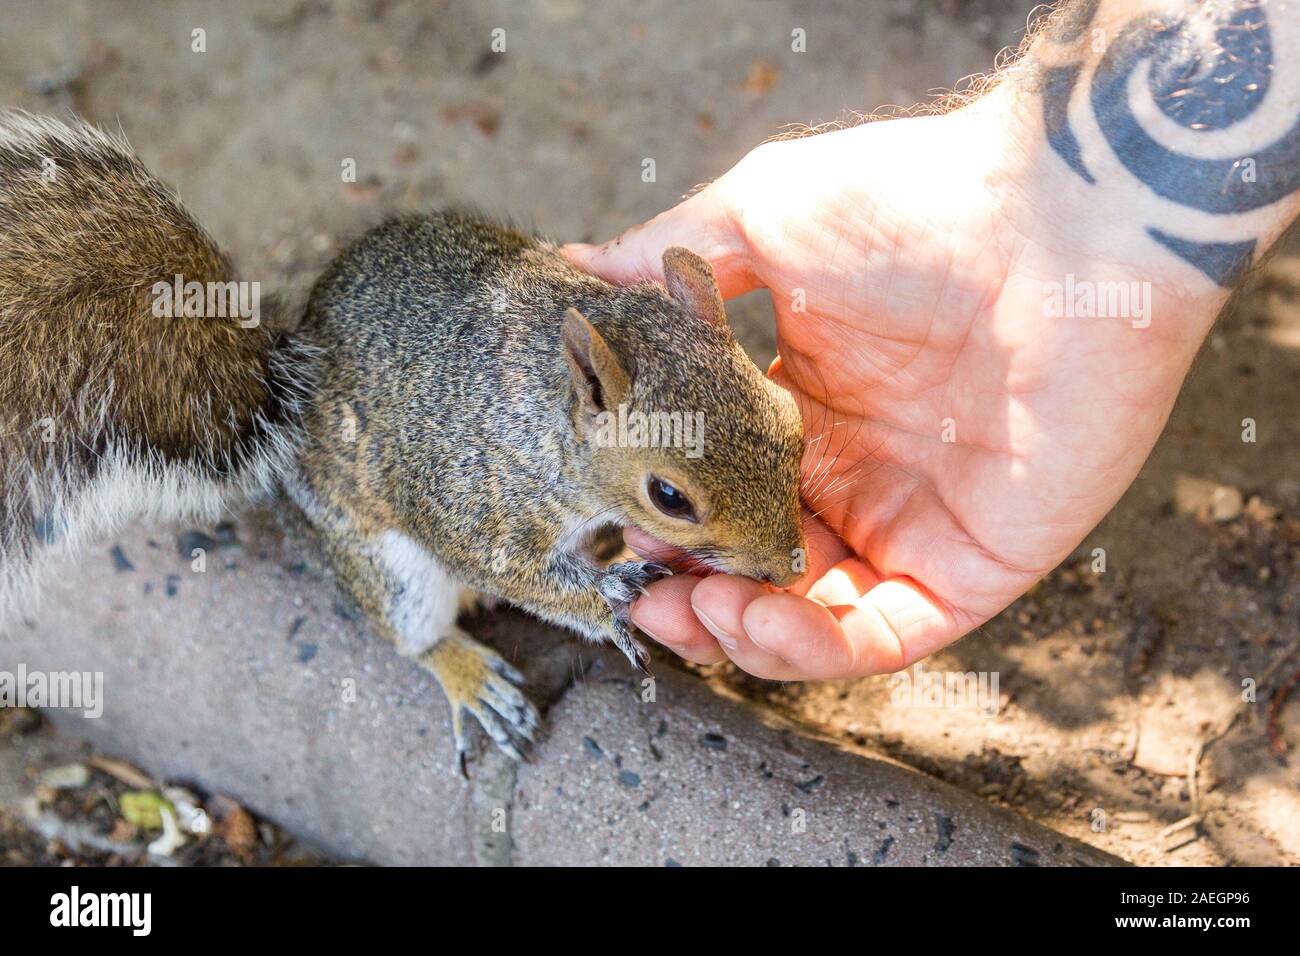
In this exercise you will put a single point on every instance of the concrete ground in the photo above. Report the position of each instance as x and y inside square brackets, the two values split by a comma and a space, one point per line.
[247, 679]
[553, 134]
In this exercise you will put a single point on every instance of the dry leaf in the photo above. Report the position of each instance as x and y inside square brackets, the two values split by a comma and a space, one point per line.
[762, 77]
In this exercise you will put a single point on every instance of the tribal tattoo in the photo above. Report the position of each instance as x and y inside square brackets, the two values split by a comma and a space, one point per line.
[1206, 67]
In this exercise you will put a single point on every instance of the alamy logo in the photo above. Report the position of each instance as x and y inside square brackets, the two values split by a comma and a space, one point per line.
[208, 300]
[946, 689]
[1083, 299]
[75, 908]
[628, 429]
[74, 690]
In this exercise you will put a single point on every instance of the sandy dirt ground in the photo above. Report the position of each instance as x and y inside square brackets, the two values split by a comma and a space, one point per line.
[1109, 683]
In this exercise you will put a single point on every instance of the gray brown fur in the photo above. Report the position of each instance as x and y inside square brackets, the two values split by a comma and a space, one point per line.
[105, 410]
[445, 440]
[441, 340]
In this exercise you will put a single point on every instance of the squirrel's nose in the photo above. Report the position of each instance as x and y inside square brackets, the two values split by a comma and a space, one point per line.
[781, 576]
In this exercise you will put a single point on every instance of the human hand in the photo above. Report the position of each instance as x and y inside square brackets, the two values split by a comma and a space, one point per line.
[966, 425]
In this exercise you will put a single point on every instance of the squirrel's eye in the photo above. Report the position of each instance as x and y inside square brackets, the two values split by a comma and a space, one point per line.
[669, 500]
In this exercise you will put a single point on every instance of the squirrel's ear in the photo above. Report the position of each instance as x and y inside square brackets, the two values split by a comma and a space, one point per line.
[690, 281]
[598, 377]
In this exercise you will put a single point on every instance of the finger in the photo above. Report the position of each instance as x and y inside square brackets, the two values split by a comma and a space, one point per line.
[652, 549]
[885, 627]
[844, 583]
[703, 224]
[803, 635]
[825, 549]
[899, 617]
[649, 547]
[665, 616]
[720, 604]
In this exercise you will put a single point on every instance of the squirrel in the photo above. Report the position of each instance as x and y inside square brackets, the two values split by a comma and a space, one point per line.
[460, 413]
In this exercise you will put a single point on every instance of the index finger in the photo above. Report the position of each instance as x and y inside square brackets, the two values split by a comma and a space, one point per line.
[702, 224]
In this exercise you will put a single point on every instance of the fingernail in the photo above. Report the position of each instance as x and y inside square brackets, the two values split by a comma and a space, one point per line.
[722, 637]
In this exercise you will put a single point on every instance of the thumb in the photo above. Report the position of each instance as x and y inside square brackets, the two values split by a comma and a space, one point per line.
[704, 224]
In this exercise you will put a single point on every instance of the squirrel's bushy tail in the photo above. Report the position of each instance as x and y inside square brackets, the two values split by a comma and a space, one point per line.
[116, 398]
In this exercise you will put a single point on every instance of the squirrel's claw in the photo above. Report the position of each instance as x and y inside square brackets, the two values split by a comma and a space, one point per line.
[478, 680]
[654, 571]
[632, 649]
[620, 585]
[623, 583]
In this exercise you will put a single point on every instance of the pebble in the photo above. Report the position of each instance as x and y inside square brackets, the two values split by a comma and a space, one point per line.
[71, 776]
[190, 541]
[1226, 504]
[629, 779]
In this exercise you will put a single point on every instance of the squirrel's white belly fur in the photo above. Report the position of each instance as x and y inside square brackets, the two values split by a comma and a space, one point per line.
[429, 599]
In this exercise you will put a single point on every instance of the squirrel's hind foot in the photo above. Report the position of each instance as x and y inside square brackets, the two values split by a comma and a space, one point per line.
[477, 679]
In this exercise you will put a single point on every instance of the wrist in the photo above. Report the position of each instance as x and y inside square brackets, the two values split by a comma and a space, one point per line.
[1098, 246]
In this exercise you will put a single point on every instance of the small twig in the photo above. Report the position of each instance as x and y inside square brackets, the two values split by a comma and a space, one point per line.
[122, 771]
[1241, 708]
[1192, 823]
[1217, 734]
[1135, 738]
[1275, 706]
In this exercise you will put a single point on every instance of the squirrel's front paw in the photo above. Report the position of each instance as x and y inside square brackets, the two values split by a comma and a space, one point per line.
[620, 585]
[477, 679]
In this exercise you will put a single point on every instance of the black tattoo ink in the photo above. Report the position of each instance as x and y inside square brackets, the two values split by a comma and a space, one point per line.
[1059, 84]
[1196, 98]
[1224, 262]
[1201, 86]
